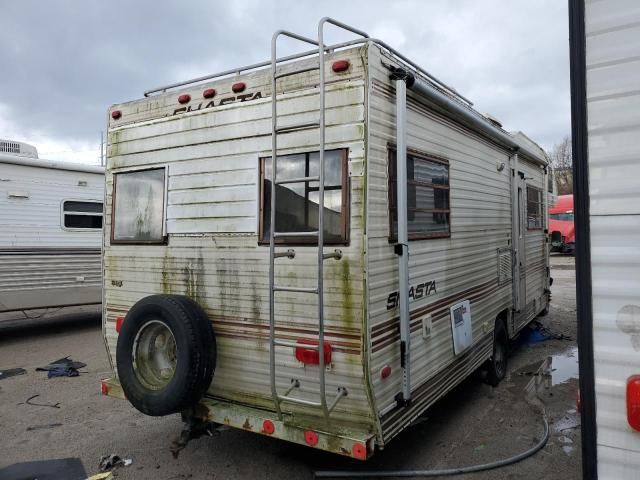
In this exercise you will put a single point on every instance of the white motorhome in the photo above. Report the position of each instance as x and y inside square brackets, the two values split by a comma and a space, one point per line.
[605, 74]
[50, 231]
[342, 324]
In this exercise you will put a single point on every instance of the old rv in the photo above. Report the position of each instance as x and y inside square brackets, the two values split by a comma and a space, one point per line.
[50, 231]
[316, 248]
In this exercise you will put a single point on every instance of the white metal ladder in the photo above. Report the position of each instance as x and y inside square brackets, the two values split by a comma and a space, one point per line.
[277, 129]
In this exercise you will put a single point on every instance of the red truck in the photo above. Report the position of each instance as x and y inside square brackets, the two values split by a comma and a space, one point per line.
[561, 227]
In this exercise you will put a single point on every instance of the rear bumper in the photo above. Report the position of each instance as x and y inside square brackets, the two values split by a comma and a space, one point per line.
[348, 442]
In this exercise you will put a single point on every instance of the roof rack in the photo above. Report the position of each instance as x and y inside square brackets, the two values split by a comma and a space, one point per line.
[329, 48]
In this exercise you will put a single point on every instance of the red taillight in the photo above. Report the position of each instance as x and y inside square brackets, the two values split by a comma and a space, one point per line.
[633, 402]
[340, 66]
[311, 437]
[238, 87]
[209, 93]
[119, 322]
[310, 356]
[268, 427]
[359, 451]
[116, 114]
[385, 372]
[184, 98]
[104, 388]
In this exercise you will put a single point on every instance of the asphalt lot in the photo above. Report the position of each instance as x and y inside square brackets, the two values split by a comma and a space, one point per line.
[474, 424]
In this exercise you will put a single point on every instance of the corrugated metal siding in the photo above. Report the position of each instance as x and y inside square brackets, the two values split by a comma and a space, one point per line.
[213, 253]
[34, 278]
[613, 103]
[464, 266]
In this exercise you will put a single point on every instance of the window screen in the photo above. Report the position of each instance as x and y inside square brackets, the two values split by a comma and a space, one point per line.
[534, 208]
[79, 214]
[138, 213]
[297, 202]
[428, 210]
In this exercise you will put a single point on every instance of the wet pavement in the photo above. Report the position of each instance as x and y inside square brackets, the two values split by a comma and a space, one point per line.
[473, 424]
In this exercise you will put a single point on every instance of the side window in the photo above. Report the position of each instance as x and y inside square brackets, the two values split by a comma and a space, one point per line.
[428, 210]
[534, 208]
[138, 206]
[297, 199]
[81, 214]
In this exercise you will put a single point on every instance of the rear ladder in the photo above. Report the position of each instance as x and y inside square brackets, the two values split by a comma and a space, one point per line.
[277, 129]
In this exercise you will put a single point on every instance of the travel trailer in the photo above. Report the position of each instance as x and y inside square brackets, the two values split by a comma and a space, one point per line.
[50, 231]
[316, 248]
[605, 73]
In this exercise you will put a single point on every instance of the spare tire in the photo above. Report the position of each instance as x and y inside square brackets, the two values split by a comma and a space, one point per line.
[166, 354]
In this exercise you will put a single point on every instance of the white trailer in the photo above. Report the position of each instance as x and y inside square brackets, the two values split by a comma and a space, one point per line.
[50, 231]
[344, 324]
[605, 74]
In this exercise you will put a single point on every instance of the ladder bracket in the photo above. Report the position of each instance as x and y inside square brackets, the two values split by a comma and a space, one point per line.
[337, 254]
[398, 249]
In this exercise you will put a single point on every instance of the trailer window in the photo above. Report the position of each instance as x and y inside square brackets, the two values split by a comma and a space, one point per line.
[79, 214]
[138, 206]
[534, 208]
[297, 202]
[428, 211]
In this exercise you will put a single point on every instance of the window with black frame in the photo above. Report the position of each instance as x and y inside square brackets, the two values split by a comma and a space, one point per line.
[428, 210]
[297, 202]
[82, 214]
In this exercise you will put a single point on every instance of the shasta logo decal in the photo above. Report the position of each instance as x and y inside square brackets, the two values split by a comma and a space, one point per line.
[222, 101]
[415, 293]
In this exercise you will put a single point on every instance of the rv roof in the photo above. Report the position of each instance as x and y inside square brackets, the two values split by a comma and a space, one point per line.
[52, 164]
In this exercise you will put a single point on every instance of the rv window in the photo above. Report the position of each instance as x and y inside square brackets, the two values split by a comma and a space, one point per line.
[79, 214]
[138, 211]
[297, 203]
[534, 208]
[427, 196]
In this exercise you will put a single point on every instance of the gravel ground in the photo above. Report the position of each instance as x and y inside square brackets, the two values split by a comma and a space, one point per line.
[473, 424]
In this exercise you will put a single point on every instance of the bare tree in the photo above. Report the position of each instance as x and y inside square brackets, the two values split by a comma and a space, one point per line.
[561, 159]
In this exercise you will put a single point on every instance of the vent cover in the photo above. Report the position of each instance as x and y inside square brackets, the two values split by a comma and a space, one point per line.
[504, 265]
[9, 147]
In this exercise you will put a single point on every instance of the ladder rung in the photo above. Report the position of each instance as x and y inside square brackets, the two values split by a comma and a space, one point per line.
[299, 401]
[295, 234]
[289, 254]
[284, 343]
[298, 180]
[295, 289]
[295, 72]
[297, 126]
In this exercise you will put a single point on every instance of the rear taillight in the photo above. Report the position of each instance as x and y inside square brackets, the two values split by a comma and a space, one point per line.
[633, 402]
[119, 322]
[310, 356]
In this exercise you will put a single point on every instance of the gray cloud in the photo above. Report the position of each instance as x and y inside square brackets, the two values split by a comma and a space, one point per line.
[64, 62]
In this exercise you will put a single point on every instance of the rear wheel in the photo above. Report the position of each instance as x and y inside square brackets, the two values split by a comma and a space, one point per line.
[497, 364]
[165, 354]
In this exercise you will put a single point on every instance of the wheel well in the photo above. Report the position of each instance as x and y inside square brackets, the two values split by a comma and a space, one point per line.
[503, 317]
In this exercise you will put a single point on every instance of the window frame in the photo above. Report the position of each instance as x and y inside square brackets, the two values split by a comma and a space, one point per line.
[89, 214]
[345, 206]
[392, 152]
[164, 236]
[540, 204]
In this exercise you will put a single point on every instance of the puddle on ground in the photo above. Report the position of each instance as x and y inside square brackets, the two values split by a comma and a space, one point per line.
[554, 370]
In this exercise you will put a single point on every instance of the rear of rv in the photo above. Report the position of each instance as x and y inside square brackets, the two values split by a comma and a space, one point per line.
[605, 112]
[187, 212]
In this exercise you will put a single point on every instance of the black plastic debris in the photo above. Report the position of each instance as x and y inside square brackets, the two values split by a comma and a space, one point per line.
[59, 469]
[64, 367]
[109, 462]
[11, 372]
[29, 401]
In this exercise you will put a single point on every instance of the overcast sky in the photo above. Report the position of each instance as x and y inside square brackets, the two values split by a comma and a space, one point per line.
[64, 62]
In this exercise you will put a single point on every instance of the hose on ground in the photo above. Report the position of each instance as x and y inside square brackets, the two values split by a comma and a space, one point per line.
[439, 473]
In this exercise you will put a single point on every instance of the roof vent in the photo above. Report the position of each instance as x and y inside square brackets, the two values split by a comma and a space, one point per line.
[18, 148]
